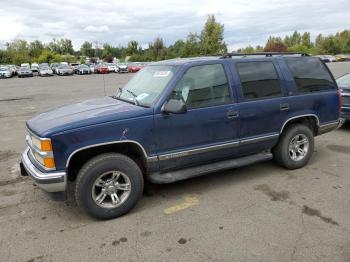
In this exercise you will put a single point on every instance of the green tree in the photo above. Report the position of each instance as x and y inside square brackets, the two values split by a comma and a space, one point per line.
[191, 47]
[133, 48]
[249, 49]
[212, 38]
[57, 58]
[18, 51]
[177, 49]
[259, 48]
[5, 57]
[295, 39]
[86, 49]
[306, 40]
[35, 49]
[46, 56]
[156, 50]
[275, 44]
[66, 46]
[62, 46]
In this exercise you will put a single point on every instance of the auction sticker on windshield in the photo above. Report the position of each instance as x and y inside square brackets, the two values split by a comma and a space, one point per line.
[161, 73]
[141, 96]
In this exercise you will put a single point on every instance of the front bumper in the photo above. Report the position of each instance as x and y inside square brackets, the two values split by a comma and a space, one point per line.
[48, 181]
[5, 76]
[65, 73]
[25, 74]
[46, 74]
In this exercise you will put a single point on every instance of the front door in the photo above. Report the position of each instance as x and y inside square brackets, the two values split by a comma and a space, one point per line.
[209, 130]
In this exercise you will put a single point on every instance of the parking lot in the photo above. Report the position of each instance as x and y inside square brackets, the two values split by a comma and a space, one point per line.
[256, 213]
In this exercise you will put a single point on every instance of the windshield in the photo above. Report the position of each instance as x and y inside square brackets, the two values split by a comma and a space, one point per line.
[63, 67]
[24, 68]
[4, 68]
[147, 85]
[344, 81]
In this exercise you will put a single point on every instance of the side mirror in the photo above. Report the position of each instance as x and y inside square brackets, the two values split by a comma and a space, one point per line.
[174, 106]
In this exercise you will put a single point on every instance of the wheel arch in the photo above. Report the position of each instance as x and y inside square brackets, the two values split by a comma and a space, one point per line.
[311, 120]
[130, 148]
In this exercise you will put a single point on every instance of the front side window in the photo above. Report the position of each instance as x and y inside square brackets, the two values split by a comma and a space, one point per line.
[203, 86]
[145, 87]
[310, 74]
[258, 80]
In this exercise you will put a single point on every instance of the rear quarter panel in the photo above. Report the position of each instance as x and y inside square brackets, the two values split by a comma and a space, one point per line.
[323, 104]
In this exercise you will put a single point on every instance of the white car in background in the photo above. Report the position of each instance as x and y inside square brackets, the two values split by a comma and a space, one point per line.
[45, 71]
[112, 67]
[331, 58]
[35, 67]
[92, 68]
[123, 68]
[5, 72]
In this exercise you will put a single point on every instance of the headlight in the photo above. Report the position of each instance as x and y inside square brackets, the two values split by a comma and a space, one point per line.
[42, 151]
[42, 144]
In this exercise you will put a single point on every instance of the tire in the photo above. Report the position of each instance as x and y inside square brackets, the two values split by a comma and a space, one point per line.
[87, 192]
[287, 153]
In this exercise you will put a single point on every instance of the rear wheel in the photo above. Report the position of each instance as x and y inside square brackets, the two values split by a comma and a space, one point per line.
[108, 186]
[295, 147]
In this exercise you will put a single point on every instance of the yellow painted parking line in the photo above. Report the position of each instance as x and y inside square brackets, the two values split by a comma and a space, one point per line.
[188, 202]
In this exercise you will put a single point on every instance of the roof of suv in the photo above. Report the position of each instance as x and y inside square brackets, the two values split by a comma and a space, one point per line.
[261, 55]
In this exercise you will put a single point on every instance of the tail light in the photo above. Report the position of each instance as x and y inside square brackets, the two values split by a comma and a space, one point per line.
[339, 99]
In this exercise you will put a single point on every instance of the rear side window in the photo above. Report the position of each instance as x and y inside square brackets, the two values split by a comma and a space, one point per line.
[259, 80]
[310, 74]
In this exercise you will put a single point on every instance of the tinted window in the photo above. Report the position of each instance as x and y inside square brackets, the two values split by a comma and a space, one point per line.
[203, 86]
[310, 74]
[258, 80]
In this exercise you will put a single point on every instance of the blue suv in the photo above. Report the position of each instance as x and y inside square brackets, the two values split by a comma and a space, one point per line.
[182, 118]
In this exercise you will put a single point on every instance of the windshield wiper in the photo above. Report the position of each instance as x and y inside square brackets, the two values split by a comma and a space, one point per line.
[135, 100]
[134, 96]
[120, 91]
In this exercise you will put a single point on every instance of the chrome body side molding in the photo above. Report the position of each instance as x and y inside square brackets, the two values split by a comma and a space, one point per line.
[300, 116]
[148, 158]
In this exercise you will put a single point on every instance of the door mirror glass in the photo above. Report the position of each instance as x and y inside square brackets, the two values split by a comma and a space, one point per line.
[174, 106]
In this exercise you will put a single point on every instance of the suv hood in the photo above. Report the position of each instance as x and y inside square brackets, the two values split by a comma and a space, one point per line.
[86, 113]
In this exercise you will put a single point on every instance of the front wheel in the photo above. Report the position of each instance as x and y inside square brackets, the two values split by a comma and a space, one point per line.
[109, 186]
[295, 147]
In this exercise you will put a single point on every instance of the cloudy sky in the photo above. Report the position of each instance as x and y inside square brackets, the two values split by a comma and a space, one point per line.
[116, 22]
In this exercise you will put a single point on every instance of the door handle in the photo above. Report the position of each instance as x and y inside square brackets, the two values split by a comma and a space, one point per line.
[232, 114]
[284, 107]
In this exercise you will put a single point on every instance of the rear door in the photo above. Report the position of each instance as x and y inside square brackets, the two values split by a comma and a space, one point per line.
[263, 107]
[208, 131]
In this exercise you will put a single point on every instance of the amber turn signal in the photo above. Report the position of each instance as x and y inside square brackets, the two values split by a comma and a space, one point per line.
[49, 162]
[46, 145]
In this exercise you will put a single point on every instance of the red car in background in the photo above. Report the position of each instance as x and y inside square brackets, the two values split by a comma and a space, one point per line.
[102, 69]
[133, 68]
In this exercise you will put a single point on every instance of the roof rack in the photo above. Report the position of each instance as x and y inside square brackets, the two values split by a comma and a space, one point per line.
[267, 54]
